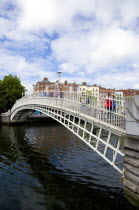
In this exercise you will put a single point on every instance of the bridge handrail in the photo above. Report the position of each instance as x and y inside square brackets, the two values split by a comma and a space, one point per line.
[84, 99]
[110, 110]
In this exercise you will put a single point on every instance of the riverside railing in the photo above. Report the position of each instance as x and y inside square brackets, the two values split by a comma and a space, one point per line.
[105, 109]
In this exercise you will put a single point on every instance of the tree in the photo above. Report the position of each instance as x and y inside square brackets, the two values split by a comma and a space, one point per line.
[11, 89]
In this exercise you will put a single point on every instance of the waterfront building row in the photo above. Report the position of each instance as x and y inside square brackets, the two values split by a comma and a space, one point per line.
[96, 90]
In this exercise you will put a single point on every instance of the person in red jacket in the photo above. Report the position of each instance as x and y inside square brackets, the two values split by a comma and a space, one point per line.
[108, 103]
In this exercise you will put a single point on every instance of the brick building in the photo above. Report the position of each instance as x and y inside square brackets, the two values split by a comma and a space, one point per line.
[124, 93]
[46, 85]
[105, 91]
[129, 92]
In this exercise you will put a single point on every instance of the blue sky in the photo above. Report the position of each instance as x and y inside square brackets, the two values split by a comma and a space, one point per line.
[88, 40]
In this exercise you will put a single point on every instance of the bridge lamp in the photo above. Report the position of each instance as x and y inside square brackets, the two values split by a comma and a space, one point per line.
[59, 74]
[33, 88]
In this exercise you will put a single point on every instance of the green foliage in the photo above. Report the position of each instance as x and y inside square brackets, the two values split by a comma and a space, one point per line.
[10, 90]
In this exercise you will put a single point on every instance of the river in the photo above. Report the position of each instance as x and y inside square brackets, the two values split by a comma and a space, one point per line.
[46, 167]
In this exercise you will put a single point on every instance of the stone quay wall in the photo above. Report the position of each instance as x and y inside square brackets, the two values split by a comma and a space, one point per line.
[5, 117]
[131, 150]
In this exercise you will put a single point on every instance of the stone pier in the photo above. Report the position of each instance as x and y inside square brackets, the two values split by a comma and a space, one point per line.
[5, 117]
[131, 150]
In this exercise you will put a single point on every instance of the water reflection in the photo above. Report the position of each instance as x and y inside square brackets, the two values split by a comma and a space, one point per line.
[47, 167]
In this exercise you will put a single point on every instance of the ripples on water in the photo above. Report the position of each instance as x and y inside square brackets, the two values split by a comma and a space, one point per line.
[47, 167]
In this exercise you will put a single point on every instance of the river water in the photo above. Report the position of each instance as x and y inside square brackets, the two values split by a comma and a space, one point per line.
[46, 167]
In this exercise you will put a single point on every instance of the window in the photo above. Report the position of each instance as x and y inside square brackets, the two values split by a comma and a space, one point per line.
[51, 86]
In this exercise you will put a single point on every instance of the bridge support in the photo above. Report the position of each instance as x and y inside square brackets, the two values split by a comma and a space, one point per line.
[5, 117]
[131, 150]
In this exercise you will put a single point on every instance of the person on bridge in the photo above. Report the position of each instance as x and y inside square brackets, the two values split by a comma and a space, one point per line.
[114, 104]
[88, 101]
[108, 103]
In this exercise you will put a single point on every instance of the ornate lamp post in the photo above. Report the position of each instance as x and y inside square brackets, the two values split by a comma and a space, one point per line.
[59, 74]
[33, 87]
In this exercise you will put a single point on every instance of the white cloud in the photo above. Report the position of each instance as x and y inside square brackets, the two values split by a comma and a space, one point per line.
[68, 67]
[99, 50]
[52, 15]
[118, 80]
[5, 26]
[28, 72]
[73, 48]
[93, 37]
[114, 46]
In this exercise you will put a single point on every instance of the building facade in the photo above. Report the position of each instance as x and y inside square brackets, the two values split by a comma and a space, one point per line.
[104, 91]
[89, 89]
[46, 85]
[129, 92]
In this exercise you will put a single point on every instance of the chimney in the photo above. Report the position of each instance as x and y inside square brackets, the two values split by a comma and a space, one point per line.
[65, 83]
[45, 79]
[84, 83]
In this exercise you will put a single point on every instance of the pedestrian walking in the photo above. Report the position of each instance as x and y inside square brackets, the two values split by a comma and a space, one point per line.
[108, 105]
[114, 104]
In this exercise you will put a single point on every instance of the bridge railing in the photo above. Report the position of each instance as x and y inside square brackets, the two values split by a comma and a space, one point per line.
[106, 109]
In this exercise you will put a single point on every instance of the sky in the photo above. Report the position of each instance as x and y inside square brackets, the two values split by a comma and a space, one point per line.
[96, 41]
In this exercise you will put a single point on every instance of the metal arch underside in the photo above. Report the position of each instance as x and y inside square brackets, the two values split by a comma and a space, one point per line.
[20, 115]
[103, 140]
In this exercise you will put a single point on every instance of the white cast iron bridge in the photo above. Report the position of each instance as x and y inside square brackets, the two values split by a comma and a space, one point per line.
[86, 116]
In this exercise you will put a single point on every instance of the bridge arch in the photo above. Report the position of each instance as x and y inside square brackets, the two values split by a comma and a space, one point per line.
[97, 135]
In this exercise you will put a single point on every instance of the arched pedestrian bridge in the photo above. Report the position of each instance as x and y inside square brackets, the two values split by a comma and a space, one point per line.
[87, 116]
